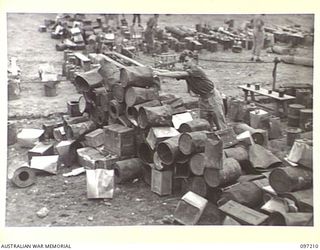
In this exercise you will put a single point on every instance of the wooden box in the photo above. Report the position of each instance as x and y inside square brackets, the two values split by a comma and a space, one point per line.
[120, 140]
[161, 182]
[95, 138]
[190, 209]
[243, 214]
[92, 158]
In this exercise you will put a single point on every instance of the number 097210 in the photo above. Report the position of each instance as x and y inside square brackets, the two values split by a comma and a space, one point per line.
[306, 246]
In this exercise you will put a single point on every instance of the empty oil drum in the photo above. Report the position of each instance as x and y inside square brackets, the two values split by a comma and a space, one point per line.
[195, 125]
[192, 142]
[155, 116]
[245, 193]
[75, 131]
[135, 95]
[197, 164]
[88, 80]
[304, 97]
[292, 135]
[127, 170]
[288, 179]
[294, 114]
[138, 76]
[168, 150]
[305, 120]
[229, 173]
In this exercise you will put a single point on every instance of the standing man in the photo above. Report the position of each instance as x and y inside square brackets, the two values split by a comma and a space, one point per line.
[138, 18]
[149, 32]
[210, 100]
[258, 37]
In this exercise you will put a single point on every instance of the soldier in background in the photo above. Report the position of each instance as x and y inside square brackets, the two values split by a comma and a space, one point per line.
[149, 32]
[258, 37]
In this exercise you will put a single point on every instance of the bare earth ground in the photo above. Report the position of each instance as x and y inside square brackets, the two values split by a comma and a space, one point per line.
[133, 203]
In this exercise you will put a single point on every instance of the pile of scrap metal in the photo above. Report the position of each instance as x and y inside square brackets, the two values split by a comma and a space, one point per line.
[77, 32]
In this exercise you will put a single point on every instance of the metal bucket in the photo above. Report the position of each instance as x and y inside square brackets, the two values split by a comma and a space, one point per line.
[292, 135]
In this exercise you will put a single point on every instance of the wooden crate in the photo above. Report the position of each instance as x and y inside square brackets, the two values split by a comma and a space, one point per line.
[120, 140]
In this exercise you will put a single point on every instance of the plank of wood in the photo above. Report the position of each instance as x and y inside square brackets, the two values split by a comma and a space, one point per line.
[264, 92]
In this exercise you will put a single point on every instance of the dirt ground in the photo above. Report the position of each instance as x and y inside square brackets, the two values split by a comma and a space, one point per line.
[133, 203]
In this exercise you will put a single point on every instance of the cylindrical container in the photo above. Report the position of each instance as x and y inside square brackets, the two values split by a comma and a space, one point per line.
[135, 95]
[84, 106]
[75, 131]
[292, 135]
[248, 85]
[303, 97]
[294, 114]
[118, 92]
[133, 112]
[59, 133]
[192, 142]
[288, 179]
[155, 116]
[270, 91]
[256, 134]
[145, 153]
[257, 86]
[229, 173]
[306, 119]
[88, 80]
[23, 177]
[237, 153]
[195, 125]
[281, 92]
[73, 108]
[168, 150]
[294, 109]
[290, 219]
[159, 165]
[197, 164]
[136, 76]
[245, 193]
[116, 109]
[199, 186]
[127, 170]
[12, 133]
[50, 91]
